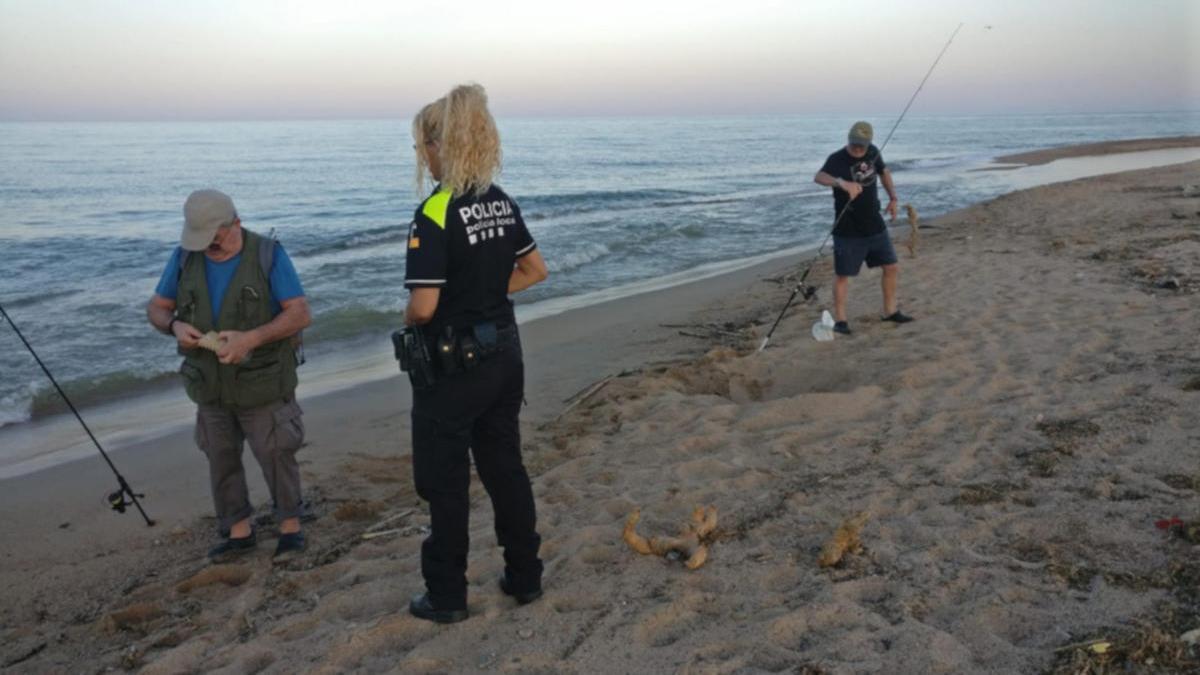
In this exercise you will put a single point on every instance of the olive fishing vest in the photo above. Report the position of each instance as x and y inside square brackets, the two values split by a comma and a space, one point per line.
[269, 374]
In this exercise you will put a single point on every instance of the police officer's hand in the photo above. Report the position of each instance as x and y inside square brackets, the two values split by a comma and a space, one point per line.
[891, 209]
[237, 346]
[852, 188]
[187, 335]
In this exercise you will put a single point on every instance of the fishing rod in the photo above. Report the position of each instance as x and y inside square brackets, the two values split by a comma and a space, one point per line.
[810, 291]
[124, 496]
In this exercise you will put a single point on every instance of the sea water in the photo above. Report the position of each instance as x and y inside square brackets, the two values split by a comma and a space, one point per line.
[90, 212]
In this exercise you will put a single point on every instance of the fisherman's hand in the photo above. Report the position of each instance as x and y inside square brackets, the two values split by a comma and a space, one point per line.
[852, 188]
[891, 208]
[237, 346]
[186, 334]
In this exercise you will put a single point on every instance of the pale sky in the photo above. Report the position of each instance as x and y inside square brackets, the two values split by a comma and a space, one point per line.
[332, 59]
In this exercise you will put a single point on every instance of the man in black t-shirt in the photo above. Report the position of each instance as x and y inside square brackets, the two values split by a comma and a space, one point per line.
[861, 234]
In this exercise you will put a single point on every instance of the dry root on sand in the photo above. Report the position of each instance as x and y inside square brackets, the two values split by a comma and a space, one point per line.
[691, 545]
[913, 229]
[845, 540]
[230, 575]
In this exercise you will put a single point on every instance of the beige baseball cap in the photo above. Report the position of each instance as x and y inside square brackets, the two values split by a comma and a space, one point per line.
[204, 212]
[861, 134]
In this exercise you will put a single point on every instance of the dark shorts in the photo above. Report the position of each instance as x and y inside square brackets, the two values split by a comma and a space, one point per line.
[850, 252]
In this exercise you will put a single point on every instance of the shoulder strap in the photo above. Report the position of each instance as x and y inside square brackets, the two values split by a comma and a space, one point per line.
[184, 256]
[266, 254]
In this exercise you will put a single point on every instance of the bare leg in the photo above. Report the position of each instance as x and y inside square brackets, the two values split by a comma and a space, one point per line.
[891, 274]
[841, 289]
[240, 529]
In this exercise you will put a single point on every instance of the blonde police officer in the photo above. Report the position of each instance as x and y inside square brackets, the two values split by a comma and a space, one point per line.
[468, 249]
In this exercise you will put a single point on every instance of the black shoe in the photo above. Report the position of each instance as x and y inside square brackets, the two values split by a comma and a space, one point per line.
[841, 327]
[422, 608]
[290, 545]
[898, 317]
[521, 598]
[233, 548]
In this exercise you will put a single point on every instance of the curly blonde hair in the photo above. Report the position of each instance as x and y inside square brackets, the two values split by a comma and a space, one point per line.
[468, 144]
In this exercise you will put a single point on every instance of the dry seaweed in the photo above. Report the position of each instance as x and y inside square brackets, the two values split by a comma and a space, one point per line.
[691, 545]
[845, 540]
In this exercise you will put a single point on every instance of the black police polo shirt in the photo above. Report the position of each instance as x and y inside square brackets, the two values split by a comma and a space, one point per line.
[467, 246]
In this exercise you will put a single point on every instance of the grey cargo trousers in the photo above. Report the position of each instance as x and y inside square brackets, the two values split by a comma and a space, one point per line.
[275, 432]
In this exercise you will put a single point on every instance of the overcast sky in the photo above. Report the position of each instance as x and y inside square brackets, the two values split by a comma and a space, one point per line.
[139, 60]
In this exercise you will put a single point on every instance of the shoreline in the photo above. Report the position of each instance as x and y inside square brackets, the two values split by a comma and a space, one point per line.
[1013, 446]
[162, 408]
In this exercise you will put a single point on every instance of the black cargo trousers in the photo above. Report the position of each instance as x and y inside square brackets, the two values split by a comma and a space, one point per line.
[475, 409]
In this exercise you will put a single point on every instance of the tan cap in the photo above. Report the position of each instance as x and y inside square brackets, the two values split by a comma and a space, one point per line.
[861, 134]
[204, 212]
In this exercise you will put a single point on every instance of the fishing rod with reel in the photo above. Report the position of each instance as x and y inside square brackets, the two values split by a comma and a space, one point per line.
[124, 496]
[809, 291]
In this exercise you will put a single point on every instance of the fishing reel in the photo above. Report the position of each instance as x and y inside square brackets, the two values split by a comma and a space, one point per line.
[118, 501]
[807, 292]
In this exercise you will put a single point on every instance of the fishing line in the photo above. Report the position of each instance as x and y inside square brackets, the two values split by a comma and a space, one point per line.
[124, 496]
[810, 291]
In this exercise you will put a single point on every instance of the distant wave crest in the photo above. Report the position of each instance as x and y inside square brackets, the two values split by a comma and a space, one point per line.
[581, 256]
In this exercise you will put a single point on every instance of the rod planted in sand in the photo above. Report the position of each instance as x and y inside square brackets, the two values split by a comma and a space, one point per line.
[117, 500]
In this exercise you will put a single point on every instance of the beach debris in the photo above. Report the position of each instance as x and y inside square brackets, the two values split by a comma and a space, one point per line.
[25, 655]
[845, 540]
[691, 545]
[131, 616]
[211, 341]
[367, 536]
[1191, 637]
[822, 331]
[132, 657]
[913, 229]
[1147, 646]
[379, 525]
[357, 509]
[1184, 530]
[583, 395]
[1169, 283]
[636, 541]
[1168, 523]
[1191, 190]
[230, 575]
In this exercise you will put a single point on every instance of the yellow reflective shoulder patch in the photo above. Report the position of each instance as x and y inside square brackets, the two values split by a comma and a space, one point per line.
[436, 206]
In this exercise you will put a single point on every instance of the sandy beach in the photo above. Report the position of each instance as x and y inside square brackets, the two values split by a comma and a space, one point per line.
[1010, 453]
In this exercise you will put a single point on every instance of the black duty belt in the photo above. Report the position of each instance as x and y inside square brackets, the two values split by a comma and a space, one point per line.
[426, 357]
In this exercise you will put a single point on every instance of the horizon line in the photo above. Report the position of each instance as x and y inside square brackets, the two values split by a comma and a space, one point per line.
[657, 115]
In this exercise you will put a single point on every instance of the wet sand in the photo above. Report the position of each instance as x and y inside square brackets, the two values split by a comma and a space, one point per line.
[1013, 448]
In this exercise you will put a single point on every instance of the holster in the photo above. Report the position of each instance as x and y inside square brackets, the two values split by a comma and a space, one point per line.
[412, 351]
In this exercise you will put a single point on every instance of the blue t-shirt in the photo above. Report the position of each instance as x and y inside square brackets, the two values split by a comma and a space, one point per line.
[285, 283]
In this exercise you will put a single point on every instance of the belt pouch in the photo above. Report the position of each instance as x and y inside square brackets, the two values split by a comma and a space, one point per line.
[469, 352]
[447, 352]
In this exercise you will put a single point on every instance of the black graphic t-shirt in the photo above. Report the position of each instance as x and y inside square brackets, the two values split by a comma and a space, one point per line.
[863, 218]
[467, 246]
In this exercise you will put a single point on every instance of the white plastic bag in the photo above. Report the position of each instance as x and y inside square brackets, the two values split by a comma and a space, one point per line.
[822, 331]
